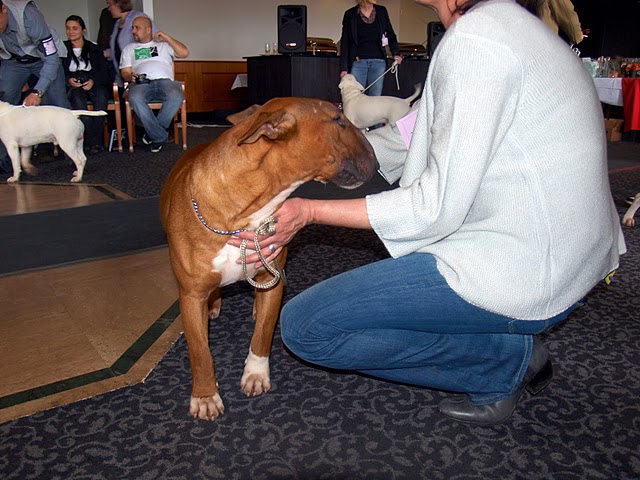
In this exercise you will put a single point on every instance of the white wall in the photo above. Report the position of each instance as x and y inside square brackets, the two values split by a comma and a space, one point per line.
[232, 29]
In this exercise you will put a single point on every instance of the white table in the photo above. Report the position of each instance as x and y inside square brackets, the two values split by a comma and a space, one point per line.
[609, 90]
[240, 81]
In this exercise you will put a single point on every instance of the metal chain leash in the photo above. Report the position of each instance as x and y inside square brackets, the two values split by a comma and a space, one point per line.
[268, 226]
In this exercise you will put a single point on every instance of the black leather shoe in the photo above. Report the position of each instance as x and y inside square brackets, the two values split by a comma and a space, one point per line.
[536, 378]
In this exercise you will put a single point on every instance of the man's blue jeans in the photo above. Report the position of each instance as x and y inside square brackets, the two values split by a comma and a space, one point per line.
[13, 76]
[367, 71]
[169, 92]
[398, 319]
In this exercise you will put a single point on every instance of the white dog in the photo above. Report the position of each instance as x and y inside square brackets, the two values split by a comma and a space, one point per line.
[23, 127]
[628, 219]
[364, 111]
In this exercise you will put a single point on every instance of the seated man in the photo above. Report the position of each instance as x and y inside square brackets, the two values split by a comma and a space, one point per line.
[148, 65]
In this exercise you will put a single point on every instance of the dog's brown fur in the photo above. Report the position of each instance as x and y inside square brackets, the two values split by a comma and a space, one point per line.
[238, 180]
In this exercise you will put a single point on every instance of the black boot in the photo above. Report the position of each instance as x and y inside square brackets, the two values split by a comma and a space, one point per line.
[536, 378]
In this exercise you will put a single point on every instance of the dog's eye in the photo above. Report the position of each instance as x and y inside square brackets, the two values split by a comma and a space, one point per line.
[339, 119]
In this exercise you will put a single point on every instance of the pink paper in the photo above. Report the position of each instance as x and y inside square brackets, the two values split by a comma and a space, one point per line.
[406, 125]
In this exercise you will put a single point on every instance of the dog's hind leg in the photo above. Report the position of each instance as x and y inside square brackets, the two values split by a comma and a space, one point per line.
[25, 161]
[255, 377]
[74, 150]
[214, 303]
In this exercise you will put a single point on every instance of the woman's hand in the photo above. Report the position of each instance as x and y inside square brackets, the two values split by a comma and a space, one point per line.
[398, 59]
[291, 217]
[88, 85]
[74, 83]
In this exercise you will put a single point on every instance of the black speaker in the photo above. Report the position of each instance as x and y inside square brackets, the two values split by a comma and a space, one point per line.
[435, 31]
[292, 28]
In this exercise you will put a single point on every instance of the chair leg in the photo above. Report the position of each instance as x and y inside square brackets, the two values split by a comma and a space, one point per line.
[119, 127]
[176, 140]
[184, 125]
[130, 127]
[105, 134]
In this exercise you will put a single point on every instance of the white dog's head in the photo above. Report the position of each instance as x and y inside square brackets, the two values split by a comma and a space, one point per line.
[348, 83]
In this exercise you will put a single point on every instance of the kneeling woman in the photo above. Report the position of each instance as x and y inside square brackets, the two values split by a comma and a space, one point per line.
[88, 80]
[502, 223]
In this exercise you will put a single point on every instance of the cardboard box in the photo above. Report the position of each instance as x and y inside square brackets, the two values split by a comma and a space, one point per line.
[614, 129]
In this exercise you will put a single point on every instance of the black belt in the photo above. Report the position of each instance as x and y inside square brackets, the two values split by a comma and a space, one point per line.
[25, 59]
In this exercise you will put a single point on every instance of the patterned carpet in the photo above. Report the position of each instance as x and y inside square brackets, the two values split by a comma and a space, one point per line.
[317, 424]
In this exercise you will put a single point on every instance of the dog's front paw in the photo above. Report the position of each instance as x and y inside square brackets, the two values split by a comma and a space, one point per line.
[206, 408]
[13, 179]
[255, 378]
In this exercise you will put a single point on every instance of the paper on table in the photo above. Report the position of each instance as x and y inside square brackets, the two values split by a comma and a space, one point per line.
[406, 125]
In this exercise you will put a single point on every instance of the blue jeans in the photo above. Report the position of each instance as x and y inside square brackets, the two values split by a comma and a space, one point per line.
[398, 319]
[367, 71]
[13, 76]
[167, 91]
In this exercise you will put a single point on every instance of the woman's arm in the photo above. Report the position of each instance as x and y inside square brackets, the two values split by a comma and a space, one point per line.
[345, 43]
[391, 36]
[296, 213]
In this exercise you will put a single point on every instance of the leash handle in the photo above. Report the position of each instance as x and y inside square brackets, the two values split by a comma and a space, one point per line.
[267, 226]
[393, 69]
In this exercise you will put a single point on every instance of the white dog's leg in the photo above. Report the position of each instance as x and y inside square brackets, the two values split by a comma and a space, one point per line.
[25, 161]
[13, 150]
[74, 150]
[628, 219]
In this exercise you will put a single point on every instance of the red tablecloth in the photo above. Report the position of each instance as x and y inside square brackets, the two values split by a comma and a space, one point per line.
[631, 103]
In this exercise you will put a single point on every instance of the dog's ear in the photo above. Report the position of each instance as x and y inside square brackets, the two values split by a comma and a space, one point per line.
[272, 125]
[236, 118]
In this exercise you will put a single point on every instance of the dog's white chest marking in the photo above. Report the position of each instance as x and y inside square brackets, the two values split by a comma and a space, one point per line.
[225, 262]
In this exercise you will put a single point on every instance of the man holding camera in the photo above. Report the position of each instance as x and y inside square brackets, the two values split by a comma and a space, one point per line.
[147, 64]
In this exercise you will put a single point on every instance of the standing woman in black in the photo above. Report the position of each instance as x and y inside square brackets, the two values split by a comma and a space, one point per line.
[366, 30]
[88, 80]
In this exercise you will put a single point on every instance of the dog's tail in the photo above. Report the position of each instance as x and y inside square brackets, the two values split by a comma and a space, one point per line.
[416, 93]
[91, 113]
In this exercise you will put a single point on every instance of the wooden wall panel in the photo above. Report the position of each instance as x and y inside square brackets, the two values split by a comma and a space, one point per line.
[208, 85]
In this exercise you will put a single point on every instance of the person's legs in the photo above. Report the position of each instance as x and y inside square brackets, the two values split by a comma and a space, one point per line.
[172, 98]
[398, 319]
[78, 98]
[359, 71]
[99, 96]
[139, 97]
[375, 70]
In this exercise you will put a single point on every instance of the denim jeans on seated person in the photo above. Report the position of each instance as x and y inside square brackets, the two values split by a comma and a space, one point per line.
[367, 71]
[399, 320]
[167, 91]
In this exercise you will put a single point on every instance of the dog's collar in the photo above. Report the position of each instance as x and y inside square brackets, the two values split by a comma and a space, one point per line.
[267, 226]
[214, 230]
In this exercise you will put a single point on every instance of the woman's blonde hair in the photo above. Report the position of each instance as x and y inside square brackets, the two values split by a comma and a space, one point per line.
[125, 5]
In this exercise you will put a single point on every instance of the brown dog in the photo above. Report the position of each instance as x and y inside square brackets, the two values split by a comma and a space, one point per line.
[237, 181]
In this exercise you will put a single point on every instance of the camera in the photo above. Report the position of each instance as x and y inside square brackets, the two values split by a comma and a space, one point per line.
[142, 78]
[82, 76]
